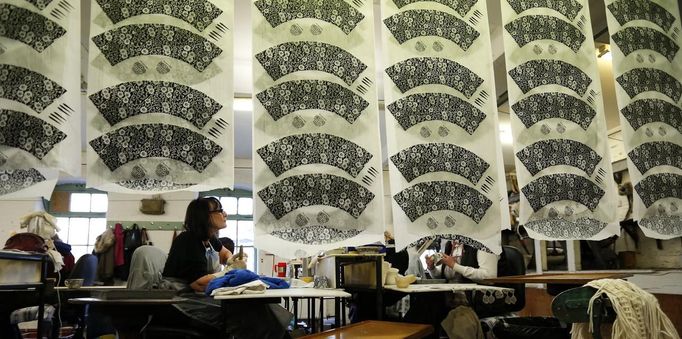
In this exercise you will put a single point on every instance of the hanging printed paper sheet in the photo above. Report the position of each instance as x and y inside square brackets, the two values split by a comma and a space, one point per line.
[647, 67]
[560, 140]
[447, 177]
[160, 96]
[27, 183]
[317, 156]
[40, 111]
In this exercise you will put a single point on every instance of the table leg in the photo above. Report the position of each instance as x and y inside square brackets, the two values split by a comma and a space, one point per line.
[311, 314]
[295, 300]
[337, 312]
[321, 314]
[343, 314]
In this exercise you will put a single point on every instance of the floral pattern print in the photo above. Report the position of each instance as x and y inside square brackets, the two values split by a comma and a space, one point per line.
[421, 159]
[198, 13]
[581, 228]
[462, 7]
[314, 235]
[666, 225]
[562, 186]
[304, 190]
[26, 132]
[288, 97]
[338, 13]
[412, 24]
[28, 87]
[123, 43]
[645, 111]
[28, 27]
[314, 148]
[432, 196]
[129, 143]
[535, 73]
[40, 4]
[549, 105]
[420, 107]
[569, 8]
[631, 39]
[415, 72]
[548, 153]
[16, 180]
[653, 154]
[628, 10]
[290, 57]
[640, 80]
[147, 184]
[529, 28]
[462, 240]
[659, 186]
[129, 99]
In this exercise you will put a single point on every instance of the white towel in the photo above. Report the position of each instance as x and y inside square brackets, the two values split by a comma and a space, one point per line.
[253, 287]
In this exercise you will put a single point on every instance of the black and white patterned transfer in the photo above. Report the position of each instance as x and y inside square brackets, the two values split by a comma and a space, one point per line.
[16, 180]
[562, 186]
[314, 148]
[336, 12]
[26, 132]
[291, 57]
[659, 186]
[198, 13]
[632, 39]
[462, 7]
[125, 144]
[420, 107]
[314, 234]
[549, 105]
[28, 87]
[653, 154]
[415, 72]
[530, 28]
[129, 99]
[417, 23]
[125, 42]
[645, 111]
[581, 228]
[554, 152]
[535, 73]
[433, 196]
[629, 10]
[297, 95]
[640, 80]
[421, 159]
[305, 190]
[30, 28]
[568, 8]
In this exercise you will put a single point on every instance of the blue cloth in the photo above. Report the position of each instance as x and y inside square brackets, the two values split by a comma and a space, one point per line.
[242, 276]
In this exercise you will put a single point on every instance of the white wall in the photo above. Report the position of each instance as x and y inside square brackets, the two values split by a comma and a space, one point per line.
[12, 211]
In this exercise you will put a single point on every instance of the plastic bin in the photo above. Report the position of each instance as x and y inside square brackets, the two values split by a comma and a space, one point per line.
[531, 328]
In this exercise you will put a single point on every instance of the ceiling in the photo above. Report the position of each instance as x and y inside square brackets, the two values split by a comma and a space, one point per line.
[243, 83]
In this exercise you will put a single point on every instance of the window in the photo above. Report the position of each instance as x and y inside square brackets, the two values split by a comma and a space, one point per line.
[81, 216]
[238, 205]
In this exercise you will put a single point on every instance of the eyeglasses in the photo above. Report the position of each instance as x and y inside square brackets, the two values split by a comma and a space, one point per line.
[221, 211]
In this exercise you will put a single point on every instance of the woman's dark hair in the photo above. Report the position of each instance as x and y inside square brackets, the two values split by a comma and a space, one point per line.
[198, 216]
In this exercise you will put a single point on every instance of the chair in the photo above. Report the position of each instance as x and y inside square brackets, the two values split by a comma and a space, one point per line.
[571, 307]
[86, 269]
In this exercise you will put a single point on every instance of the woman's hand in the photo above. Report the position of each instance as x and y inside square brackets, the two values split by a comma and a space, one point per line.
[448, 260]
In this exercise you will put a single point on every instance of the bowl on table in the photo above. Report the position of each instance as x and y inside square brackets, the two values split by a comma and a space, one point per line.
[73, 283]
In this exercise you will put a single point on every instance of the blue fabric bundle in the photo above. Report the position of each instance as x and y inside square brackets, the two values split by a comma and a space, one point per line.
[242, 276]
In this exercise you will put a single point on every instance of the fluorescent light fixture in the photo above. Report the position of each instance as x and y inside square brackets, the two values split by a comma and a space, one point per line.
[242, 105]
[506, 134]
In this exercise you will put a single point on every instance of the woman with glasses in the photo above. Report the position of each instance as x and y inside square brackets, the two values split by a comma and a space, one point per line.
[194, 260]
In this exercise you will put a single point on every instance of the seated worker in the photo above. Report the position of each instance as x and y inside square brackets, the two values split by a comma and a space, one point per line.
[194, 260]
[457, 263]
[227, 243]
